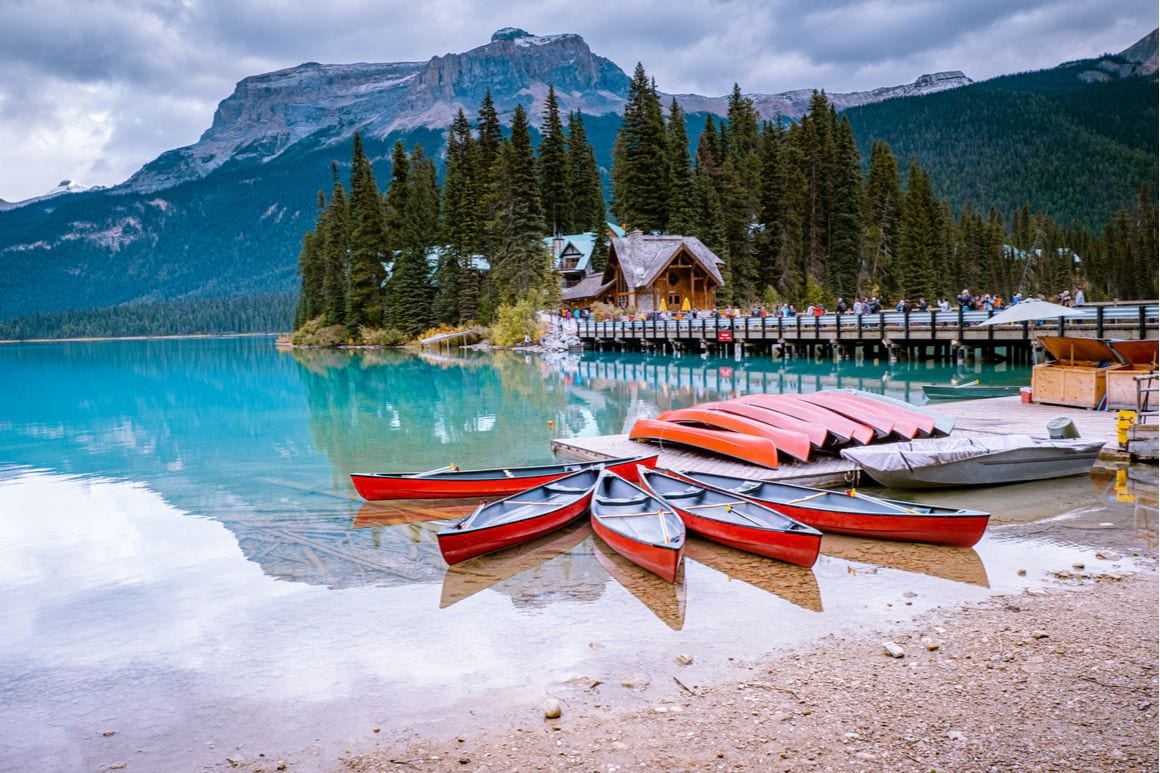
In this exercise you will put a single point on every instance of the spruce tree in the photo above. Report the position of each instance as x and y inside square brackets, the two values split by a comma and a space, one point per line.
[918, 236]
[640, 170]
[682, 213]
[410, 292]
[520, 263]
[587, 191]
[845, 221]
[879, 272]
[553, 170]
[312, 270]
[368, 244]
[396, 198]
[335, 258]
[457, 283]
[486, 168]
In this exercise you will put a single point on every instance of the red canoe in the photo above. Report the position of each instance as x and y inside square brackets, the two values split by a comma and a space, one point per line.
[453, 483]
[926, 423]
[520, 518]
[838, 425]
[734, 521]
[883, 425]
[747, 448]
[638, 526]
[857, 514]
[794, 443]
[907, 424]
[818, 435]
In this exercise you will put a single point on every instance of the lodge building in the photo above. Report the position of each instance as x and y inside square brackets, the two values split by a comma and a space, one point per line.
[645, 273]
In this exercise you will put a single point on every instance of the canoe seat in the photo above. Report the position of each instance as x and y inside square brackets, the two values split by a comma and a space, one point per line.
[561, 488]
[612, 501]
[692, 491]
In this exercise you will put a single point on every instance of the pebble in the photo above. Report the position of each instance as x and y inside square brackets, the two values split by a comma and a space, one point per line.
[931, 644]
[635, 682]
[956, 735]
[117, 765]
[619, 746]
[1108, 555]
[1077, 565]
[865, 756]
[684, 660]
[281, 765]
[552, 709]
[893, 650]
[108, 733]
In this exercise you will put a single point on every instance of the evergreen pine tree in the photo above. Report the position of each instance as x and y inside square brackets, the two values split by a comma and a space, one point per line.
[410, 292]
[640, 171]
[846, 211]
[520, 263]
[312, 270]
[917, 236]
[336, 267]
[879, 272]
[368, 244]
[587, 191]
[457, 282]
[682, 213]
[553, 170]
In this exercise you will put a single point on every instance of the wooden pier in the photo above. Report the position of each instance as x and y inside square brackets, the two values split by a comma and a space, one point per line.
[1000, 415]
[918, 335]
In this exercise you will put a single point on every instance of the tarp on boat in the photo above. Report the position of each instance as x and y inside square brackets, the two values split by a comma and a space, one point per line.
[906, 457]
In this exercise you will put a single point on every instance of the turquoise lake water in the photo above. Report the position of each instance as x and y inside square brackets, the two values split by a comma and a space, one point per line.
[186, 572]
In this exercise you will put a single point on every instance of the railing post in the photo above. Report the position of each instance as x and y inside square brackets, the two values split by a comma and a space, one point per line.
[837, 326]
[1100, 321]
[1143, 312]
[990, 328]
[859, 327]
[960, 336]
[933, 324]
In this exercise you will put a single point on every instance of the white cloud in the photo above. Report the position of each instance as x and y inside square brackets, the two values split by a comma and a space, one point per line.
[93, 89]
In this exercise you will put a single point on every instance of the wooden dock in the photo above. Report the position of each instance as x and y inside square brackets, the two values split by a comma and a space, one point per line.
[1000, 415]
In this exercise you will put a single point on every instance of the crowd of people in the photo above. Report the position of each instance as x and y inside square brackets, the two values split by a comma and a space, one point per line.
[966, 301]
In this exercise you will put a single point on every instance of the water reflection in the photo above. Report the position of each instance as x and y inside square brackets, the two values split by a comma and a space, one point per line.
[949, 563]
[532, 574]
[795, 584]
[666, 600]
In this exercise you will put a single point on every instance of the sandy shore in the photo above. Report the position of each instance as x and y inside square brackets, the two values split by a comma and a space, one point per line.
[1062, 680]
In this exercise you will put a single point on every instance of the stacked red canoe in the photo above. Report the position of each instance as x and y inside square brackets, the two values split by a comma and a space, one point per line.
[758, 429]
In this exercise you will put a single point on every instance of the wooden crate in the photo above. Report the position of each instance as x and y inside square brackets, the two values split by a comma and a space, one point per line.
[1140, 359]
[1077, 373]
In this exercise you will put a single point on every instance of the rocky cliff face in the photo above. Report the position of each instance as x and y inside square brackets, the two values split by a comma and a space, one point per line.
[322, 104]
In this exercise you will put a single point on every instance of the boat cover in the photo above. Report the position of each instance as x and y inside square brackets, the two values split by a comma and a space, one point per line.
[900, 457]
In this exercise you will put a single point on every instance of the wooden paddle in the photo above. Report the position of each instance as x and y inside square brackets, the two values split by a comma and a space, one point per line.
[811, 496]
[436, 471]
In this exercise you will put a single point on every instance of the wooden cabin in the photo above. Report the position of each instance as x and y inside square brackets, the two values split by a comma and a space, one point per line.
[653, 273]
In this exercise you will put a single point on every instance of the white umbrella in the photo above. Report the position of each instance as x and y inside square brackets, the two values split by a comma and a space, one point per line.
[1031, 310]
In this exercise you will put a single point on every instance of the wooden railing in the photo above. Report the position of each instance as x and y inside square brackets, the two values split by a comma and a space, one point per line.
[1126, 320]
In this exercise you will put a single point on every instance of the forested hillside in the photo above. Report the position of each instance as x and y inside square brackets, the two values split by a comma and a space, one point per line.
[1074, 150]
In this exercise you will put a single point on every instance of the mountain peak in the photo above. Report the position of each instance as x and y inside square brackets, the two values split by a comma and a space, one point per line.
[510, 33]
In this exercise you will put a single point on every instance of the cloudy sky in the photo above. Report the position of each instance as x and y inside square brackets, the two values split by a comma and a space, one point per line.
[93, 89]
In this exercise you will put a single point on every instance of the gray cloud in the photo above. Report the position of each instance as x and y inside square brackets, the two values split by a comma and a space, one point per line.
[93, 89]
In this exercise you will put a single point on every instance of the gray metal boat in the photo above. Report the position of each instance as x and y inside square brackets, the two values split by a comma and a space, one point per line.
[974, 461]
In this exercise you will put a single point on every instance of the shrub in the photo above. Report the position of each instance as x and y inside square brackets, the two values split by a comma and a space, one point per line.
[515, 322]
[371, 336]
[314, 333]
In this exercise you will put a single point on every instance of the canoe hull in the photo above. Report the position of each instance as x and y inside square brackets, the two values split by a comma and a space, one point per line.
[796, 444]
[857, 514]
[458, 546]
[955, 530]
[747, 448]
[800, 549]
[377, 487]
[661, 560]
